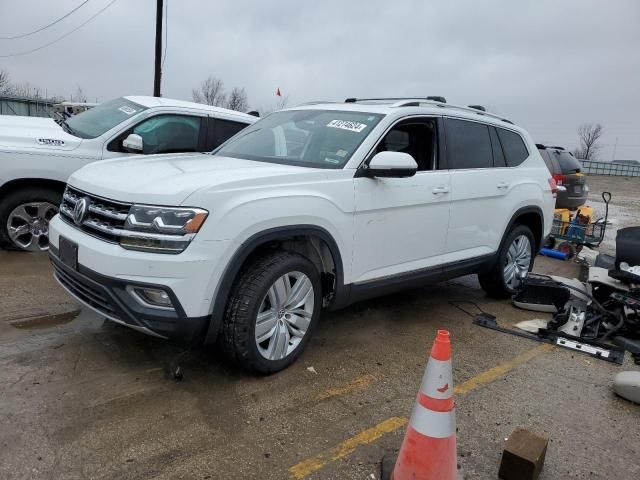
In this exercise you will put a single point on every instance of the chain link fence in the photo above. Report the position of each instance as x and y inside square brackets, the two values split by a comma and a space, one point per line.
[591, 167]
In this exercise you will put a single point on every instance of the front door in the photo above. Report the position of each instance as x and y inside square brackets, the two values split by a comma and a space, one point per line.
[401, 223]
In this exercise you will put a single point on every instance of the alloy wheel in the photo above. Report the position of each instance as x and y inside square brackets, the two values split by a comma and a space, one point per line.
[284, 315]
[28, 225]
[518, 261]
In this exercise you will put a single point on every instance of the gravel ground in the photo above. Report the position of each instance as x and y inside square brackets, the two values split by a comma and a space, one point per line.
[624, 209]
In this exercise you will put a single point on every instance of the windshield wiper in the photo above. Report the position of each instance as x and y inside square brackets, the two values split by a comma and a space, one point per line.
[65, 126]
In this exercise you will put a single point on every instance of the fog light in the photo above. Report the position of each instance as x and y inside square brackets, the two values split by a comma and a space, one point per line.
[152, 297]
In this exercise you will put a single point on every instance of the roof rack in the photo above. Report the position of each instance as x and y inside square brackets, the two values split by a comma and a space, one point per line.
[431, 98]
[317, 102]
[437, 101]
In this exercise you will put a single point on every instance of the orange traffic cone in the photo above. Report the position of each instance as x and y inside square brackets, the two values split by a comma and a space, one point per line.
[428, 451]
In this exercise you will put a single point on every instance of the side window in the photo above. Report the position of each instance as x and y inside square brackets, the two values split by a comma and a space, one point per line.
[498, 154]
[417, 137]
[548, 160]
[468, 144]
[169, 134]
[220, 131]
[514, 148]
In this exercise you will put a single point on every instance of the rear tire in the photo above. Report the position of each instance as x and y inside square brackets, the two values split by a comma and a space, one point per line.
[271, 312]
[24, 218]
[515, 258]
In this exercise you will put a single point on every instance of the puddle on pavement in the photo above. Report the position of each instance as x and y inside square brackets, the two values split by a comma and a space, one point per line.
[44, 321]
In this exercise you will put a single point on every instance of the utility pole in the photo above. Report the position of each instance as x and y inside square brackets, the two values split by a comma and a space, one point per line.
[615, 147]
[158, 73]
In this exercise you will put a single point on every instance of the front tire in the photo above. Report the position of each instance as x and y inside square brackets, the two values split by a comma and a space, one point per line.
[271, 313]
[515, 259]
[24, 218]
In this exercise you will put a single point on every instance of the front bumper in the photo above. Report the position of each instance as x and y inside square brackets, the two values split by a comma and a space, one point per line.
[109, 298]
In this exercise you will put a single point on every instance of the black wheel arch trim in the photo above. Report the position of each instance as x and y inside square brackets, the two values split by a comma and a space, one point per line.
[518, 213]
[249, 246]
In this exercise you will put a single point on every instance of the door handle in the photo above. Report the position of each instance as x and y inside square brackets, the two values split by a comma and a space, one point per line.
[502, 185]
[440, 190]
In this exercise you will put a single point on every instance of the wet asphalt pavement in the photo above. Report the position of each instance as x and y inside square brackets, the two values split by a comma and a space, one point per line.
[85, 398]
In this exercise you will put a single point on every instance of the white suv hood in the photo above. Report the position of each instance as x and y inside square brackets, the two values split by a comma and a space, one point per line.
[169, 180]
[34, 133]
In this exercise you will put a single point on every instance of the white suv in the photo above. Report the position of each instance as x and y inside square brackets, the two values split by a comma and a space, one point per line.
[37, 155]
[312, 207]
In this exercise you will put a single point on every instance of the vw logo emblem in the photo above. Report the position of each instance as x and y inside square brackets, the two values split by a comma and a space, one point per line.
[80, 211]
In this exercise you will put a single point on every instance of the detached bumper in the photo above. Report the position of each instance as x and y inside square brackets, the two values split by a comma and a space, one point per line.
[110, 298]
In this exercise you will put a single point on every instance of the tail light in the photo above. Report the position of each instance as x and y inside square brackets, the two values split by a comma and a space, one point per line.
[560, 179]
[554, 186]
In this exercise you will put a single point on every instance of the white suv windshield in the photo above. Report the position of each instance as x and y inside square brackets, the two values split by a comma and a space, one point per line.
[97, 120]
[309, 138]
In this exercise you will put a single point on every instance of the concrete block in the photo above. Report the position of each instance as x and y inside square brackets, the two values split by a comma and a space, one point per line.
[523, 456]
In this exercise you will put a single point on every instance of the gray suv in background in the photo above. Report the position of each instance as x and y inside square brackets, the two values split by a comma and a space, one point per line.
[566, 171]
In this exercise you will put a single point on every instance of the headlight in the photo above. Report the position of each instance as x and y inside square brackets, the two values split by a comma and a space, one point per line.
[161, 229]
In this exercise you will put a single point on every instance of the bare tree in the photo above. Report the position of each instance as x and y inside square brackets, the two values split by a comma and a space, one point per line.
[79, 96]
[24, 89]
[238, 100]
[282, 102]
[5, 81]
[210, 92]
[589, 135]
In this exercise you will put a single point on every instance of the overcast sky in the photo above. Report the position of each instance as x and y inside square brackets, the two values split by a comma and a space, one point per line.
[547, 65]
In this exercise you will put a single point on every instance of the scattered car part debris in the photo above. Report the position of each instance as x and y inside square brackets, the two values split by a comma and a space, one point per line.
[610, 353]
[576, 312]
[625, 276]
[601, 276]
[608, 262]
[631, 346]
[588, 256]
[532, 326]
[523, 455]
[628, 246]
[627, 385]
[541, 294]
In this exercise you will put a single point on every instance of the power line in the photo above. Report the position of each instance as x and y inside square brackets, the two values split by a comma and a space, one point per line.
[63, 36]
[46, 26]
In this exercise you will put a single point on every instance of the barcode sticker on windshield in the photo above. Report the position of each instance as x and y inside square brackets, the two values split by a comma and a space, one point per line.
[128, 110]
[345, 125]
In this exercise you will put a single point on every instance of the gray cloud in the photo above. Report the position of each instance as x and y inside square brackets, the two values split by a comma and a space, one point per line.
[548, 65]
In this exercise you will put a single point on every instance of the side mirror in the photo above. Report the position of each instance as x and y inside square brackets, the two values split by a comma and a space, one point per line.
[133, 143]
[391, 165]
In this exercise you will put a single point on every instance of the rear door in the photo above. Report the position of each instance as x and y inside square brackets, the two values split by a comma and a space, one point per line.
[220, 130]
[479, 185]
[401, 224]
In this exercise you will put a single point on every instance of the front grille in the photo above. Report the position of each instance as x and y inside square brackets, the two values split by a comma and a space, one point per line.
[104, 218]
[86, 292]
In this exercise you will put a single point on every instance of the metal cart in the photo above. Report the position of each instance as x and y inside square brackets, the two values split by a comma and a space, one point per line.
[578, 231]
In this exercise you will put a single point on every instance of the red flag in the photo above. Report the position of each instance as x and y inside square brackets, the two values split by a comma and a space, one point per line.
[278, 92]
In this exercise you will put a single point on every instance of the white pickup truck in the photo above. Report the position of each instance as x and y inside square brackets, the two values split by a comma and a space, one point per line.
[37, 155]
